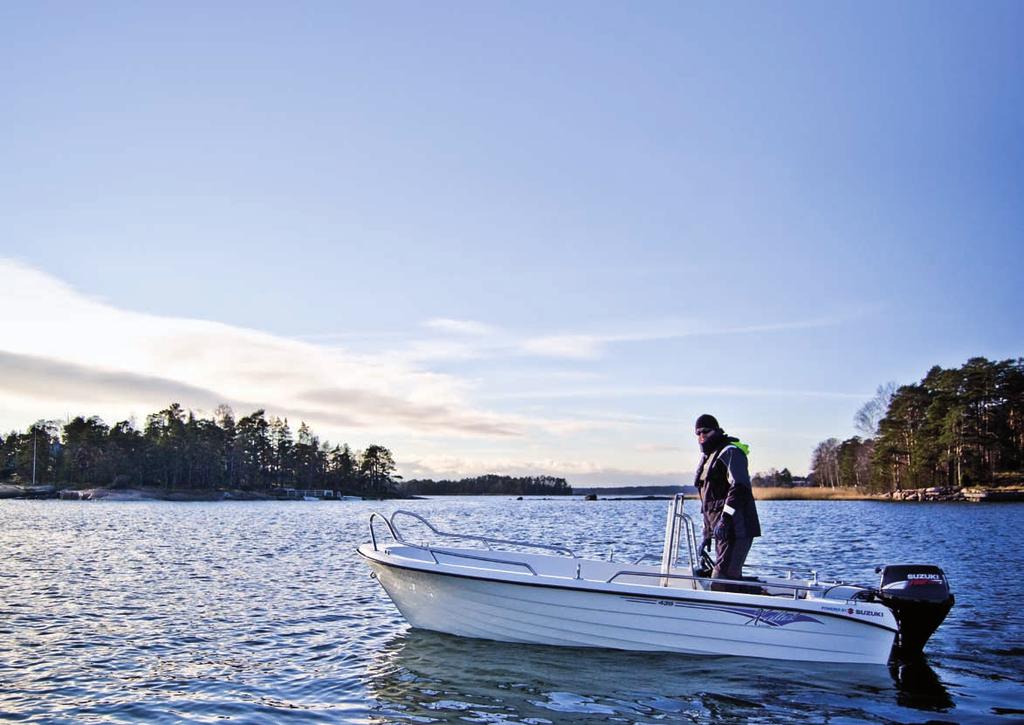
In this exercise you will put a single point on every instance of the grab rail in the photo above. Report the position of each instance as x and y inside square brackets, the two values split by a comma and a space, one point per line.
[813, 585]
[691, 540]
[679, 528]
[797, 588]
[470, 537]
[391, 529]
[434, 554]
[789, 571]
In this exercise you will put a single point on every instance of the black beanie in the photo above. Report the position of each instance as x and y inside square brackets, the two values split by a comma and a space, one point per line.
[707, 421]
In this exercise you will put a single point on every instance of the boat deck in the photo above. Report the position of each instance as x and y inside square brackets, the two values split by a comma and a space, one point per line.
[564, 569]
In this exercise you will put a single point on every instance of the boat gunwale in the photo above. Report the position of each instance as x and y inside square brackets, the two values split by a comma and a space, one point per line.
[673, 595]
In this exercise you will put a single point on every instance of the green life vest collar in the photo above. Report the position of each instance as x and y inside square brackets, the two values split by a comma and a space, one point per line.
[742, 446]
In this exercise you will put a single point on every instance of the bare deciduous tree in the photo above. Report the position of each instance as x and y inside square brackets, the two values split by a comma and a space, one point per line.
[871, 413]
[825, 463]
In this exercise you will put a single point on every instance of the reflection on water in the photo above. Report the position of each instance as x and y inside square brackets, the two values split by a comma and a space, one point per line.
[918, 686]
[428, 677]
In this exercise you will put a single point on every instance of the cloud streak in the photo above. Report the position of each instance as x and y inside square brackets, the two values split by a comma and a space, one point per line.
[673, 390]
[589, 346]
[65, 349]
[42, 378]
[580, 472]
[416, 415]
[459, 327]
[476, 340]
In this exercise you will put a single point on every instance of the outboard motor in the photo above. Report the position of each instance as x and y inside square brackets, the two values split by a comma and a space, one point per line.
[919, 597]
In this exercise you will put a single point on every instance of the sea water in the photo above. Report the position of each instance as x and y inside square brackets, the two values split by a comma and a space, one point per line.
[264, 612]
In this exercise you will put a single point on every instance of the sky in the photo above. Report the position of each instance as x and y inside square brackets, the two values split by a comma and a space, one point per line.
[512, 237]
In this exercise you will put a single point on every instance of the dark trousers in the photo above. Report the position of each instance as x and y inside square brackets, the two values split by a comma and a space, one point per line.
[729, 557]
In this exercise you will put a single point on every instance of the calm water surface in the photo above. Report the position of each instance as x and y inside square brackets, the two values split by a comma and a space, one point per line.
[263, 612]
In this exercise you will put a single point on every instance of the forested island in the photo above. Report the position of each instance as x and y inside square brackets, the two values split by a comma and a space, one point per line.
[176, 450]
[957, 428]
[490, 485]
[634, 491]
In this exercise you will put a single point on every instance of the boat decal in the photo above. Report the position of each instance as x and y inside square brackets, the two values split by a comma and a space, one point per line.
[755, 616]
[852, 611]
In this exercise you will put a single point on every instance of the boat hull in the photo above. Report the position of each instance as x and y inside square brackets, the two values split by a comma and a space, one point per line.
[584, 614]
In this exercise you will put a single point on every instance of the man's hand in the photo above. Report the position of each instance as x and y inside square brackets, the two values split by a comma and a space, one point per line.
[723, 528]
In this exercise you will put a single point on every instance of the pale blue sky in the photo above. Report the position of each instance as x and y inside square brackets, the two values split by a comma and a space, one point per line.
[521, 237]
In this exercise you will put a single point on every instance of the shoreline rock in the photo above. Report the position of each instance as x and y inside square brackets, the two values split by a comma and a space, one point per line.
[104, 493]
[972, 494]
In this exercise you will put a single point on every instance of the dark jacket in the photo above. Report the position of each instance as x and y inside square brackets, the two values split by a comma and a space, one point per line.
[725, 486]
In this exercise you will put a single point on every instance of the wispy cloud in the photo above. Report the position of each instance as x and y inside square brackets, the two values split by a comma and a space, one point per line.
[581, 472]
[65, 349]
[479, 340]
[594, 345]
[459, 327]
[574, 347]
[34, 377]
[672, 390]
[432, 416]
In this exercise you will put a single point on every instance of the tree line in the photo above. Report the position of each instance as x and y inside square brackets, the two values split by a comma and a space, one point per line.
[773, 478]
[176, 450]
[955, 428]
[491, 484]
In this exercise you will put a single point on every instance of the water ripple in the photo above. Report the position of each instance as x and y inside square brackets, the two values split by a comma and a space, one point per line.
[262, 612]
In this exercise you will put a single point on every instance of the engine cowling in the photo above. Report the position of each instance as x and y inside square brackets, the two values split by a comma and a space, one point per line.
[919, 597]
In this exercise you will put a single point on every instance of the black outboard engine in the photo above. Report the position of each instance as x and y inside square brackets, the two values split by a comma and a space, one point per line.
[919, 597]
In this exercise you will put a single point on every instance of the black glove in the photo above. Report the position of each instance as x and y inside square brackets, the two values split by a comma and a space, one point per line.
[705, 562]
[723, 528]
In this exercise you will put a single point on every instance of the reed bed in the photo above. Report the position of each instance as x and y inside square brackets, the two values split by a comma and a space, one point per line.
[810, 494]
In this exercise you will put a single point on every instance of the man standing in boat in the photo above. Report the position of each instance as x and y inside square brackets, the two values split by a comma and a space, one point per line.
[727, 502]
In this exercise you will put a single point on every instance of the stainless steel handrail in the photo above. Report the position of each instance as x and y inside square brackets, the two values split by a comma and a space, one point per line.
[796, 588]
[690, 536]
[391, 529]
[811, 574]
[681, 577]
[470, 537]
[691, 540]
[435, 552]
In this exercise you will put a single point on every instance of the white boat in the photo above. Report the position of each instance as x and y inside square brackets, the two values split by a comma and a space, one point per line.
[500, 592]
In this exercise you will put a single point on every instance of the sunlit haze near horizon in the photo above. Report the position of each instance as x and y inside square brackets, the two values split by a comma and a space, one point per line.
[499, 237]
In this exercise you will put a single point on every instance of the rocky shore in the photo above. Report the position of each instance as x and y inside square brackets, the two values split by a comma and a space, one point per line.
[125, 494]
[1014, 493]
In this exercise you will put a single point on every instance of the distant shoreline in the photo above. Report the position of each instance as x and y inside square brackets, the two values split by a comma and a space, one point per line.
[931, 494]
[101, 493]
[805, 493]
